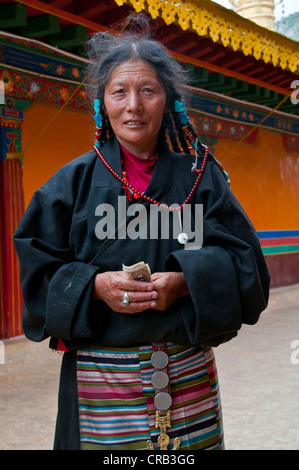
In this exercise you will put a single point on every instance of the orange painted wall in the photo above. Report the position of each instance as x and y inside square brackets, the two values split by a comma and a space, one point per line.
[265, 179]
[71, 134]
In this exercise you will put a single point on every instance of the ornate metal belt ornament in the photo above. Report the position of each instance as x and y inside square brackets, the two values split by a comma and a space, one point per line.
[163, 421]
[163, 400]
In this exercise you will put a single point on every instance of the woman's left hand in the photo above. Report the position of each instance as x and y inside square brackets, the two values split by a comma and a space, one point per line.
[169, 286]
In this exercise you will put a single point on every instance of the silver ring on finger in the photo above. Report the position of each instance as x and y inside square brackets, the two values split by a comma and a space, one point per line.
[126, 299]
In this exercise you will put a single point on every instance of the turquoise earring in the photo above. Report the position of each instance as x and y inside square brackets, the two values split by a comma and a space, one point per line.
[179, 108]
[98, 117]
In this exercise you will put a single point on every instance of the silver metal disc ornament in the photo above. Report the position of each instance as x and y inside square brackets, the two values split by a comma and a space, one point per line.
[163, 401]
[160, 379]
[159, 359]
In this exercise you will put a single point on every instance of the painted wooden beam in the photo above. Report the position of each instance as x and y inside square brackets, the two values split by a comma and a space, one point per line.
[70, 36]
[13, 15]
[63, 14]
[91, 25]
[200, 76]
[253, 92]
[41, 25]
[227, 85]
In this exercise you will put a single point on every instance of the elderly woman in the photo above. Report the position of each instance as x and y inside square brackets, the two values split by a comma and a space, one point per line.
[138, 369]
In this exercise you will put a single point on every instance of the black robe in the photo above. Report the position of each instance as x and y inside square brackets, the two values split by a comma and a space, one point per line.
[60, 254]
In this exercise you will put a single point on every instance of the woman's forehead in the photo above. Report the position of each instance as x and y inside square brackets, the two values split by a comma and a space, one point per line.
[137, 70]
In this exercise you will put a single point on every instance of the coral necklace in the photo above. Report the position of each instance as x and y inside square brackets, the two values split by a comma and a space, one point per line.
[137, 194]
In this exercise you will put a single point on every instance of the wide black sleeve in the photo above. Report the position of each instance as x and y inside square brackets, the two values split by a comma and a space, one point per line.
[227, 277]
[56, 287]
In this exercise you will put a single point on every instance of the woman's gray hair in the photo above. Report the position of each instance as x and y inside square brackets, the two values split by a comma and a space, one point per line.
[106, 51]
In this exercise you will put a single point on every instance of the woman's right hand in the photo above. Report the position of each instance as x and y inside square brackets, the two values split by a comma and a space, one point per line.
[111, 287]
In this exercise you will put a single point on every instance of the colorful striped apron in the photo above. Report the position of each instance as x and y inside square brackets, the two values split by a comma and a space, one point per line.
[116, 399]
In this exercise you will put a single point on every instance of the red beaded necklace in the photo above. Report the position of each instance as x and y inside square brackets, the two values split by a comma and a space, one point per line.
[137, 194]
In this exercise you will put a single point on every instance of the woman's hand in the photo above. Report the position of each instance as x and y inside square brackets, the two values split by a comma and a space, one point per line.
[158, 294]
[111, 287]
[169, 287]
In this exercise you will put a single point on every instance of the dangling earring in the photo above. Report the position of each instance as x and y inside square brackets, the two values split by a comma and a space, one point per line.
[99, 122]
[179, 108]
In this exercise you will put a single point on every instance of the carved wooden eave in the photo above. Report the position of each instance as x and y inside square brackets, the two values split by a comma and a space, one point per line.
[226, 53]
[211, 20]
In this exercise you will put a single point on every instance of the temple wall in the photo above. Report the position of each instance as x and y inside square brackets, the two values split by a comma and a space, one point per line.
[38, 81]
[263, 170]
[265, 178]
[69, 135]
[264, 175]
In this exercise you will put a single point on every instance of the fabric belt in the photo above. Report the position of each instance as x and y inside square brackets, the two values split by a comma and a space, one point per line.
[162, 400]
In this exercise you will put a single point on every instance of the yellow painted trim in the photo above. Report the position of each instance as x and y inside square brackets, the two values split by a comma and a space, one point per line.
[14, 156]
[222, 25]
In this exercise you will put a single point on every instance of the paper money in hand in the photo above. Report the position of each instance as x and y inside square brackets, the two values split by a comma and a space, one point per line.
[138, 272]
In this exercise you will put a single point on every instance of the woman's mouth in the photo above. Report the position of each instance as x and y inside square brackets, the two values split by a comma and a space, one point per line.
[134, 123]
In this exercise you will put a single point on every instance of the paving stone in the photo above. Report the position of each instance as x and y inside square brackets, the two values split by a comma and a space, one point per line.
[259, 385]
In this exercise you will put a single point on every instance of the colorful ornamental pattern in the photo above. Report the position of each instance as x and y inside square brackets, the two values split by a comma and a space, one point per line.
[278, 242]
[20, 86]
[32, 56]
[207, 19]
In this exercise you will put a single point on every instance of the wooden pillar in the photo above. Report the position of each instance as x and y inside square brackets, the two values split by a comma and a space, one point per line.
[11, 211]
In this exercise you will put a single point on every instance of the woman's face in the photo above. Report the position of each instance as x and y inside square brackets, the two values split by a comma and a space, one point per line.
[135, 102]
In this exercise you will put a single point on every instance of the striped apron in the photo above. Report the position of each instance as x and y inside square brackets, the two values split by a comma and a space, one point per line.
[116, 399]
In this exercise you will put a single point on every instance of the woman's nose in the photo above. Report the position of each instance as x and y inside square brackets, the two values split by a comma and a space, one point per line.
[134, 102]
